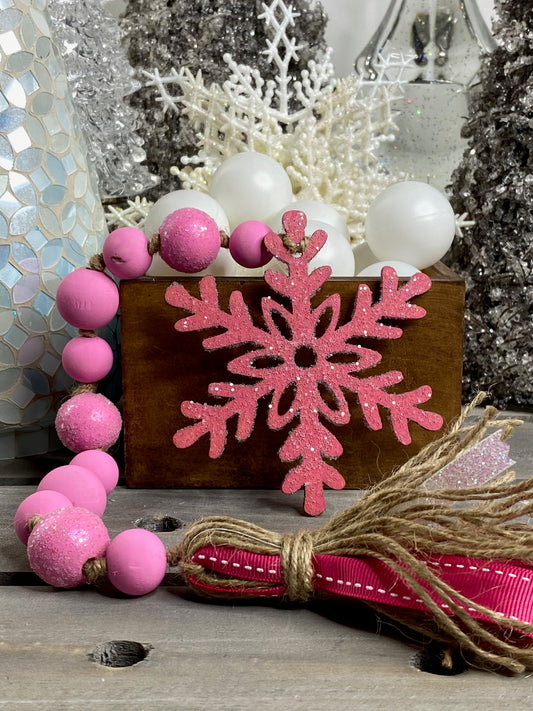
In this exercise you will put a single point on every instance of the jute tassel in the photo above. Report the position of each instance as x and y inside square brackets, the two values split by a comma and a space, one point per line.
[395, 522]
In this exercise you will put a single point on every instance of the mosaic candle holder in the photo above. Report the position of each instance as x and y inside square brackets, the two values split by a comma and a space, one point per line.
[51, 220]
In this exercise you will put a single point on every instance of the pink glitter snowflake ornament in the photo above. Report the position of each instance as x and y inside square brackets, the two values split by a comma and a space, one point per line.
[296, 356]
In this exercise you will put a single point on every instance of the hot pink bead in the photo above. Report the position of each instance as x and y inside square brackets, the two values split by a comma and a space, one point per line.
[87, 360]
[87, 299]
[247, 246]
[62, 542]
[38, 504]
[136, 561]
[190, 240]
[79, 485]
[88, 421]
[100, 463]
[126, 254]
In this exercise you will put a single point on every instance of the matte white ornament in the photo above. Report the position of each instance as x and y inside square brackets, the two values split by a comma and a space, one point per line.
[251, 186]
[314, 210]
[402, 269]
[410, 222]
[337, 252]
[184, 198]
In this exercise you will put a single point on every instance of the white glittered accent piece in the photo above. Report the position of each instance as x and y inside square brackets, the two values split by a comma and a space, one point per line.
[478, 465]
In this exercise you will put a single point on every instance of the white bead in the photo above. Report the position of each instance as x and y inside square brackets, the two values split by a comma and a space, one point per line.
[411, 222]
[313, 210]
[337, 253]
[402, 269]
[363, 256]
[183, 198]
[250, 186]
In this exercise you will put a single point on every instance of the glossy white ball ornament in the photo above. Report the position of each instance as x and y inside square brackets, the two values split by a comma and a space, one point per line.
[401, 268]
[337, 252]
[411, 222]
[250, 186]
[313, 210]
[363, 256]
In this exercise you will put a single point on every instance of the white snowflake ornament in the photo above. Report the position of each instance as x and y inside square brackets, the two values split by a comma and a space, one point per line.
[297, 355]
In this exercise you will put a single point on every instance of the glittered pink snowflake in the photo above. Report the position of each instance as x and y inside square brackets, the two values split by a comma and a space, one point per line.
[296, 356]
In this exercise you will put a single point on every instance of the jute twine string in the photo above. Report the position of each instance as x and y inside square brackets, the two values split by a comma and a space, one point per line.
[397, 523]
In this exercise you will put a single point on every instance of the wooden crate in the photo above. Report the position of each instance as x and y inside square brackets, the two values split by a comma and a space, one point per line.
[162, 367]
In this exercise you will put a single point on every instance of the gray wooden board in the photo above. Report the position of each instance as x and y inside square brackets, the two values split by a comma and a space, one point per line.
[221, 656]
[203, 655]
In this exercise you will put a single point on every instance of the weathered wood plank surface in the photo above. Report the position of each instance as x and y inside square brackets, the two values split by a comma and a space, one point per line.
[326, 655]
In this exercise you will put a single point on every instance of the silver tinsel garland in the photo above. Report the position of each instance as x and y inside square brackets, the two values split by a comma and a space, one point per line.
[494, 184]
[100, 79]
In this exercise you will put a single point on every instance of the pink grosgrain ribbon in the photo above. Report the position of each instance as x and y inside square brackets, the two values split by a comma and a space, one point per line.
[504, 588]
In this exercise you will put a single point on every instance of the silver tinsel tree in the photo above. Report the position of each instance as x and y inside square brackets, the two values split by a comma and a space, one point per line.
[494, 184]
[100, 76]
[163, 34]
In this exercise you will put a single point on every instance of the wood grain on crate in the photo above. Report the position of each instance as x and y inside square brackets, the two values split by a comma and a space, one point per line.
[162, 367]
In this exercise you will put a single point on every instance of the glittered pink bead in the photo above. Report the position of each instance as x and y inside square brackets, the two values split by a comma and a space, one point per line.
[79, 485]
[126, 253]
[37, 504]
[87, 360]
[62, 542]
[87, 299]
[247, 246]
[100, 463]
[136, 561]
[190, 240]
[88, 421]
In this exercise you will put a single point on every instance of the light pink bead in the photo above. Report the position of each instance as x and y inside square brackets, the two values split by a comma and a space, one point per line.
[79, 485]
[190, 240]
[39, 503]
[87, 360]
[247, 246]
[126, 254]
[62, 542]
[88, 421]
[87, 299]
[100, 463]
[136, 561]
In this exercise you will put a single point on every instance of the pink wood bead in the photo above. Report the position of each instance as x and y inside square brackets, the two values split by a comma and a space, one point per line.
[62, 542]
[79, 485]
[100, 463]
[136, 561]
[88, 421]
[87, 359]
[87, 299]
[190, 240]
[247, 246]
[39, 503]
[126, 253]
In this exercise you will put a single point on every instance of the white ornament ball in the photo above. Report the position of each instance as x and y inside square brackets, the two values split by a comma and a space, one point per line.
[223, 265]
[363, 256]
[250, 186]
[337, 252]
[313, 210]
[411, 222]
[402, 269]
[178, 199]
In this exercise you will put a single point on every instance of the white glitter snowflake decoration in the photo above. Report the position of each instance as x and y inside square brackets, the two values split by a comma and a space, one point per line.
[298, 358]
[322, 130]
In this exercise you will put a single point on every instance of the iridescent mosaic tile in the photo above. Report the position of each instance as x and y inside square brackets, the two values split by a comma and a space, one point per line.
[51, 218]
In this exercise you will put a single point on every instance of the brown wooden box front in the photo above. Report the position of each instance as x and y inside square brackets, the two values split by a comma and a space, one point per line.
[162, 367]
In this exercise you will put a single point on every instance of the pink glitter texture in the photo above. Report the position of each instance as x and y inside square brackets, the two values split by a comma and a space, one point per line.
[303, 362]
